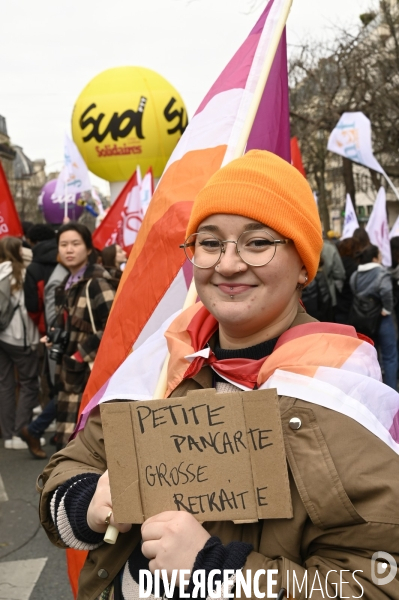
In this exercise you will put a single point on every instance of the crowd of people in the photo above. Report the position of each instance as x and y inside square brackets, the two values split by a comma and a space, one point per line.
[353, 288]
[56, 292]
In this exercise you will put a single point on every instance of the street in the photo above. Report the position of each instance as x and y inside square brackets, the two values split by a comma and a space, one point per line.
[31, 568]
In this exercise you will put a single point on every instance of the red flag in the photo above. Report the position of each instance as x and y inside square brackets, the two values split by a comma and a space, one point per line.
[9, 219]
[122, 222]
[75, 562]
[296, 157]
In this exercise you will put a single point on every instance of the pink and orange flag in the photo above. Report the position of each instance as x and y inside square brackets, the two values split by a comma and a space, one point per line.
[156, 278]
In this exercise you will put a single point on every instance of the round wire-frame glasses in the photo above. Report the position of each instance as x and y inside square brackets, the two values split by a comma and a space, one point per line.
[255, 247]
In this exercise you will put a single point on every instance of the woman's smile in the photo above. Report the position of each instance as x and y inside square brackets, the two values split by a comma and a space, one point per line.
[234, 289]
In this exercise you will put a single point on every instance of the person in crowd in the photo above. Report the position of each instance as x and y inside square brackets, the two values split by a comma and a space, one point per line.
[44, 260]
[361, 238]
[26, 249]
[32, 433]
[254, 238]
[316, 297]
[348, 250]
[372, 279]
[395, 276]
[114, 259]
[18, 350]
[333, 236]
[83, 302]
[333, 270]
[26, 226]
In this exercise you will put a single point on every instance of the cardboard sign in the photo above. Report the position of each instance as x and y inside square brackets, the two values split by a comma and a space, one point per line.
[220, 457]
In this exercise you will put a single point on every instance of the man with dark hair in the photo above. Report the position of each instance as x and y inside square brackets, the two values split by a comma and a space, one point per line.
[44, 247]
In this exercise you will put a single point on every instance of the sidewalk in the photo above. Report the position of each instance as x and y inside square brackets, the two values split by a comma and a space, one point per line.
[31, 568]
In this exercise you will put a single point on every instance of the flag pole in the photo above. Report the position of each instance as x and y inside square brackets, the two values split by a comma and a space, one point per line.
[66, 195]
[392, 185]
[162, 384]
[112, 533]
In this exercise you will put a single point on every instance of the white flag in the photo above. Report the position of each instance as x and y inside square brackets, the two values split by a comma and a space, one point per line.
[74, 177]
[133, 213]
[146, 190]
[97, 202]
[351, 222]
[378, 229]
[351, 138]
[395, 230]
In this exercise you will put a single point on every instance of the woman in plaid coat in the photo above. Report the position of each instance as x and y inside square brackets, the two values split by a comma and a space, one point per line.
[76, 334]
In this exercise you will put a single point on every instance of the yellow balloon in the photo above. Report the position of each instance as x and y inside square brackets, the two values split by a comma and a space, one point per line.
[127, 116]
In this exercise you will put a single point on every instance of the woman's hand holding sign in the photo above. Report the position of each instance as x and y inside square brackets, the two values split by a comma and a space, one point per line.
[100, 507]
[172, 540]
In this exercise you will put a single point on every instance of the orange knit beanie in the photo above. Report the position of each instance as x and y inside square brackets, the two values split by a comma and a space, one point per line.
[264, 187]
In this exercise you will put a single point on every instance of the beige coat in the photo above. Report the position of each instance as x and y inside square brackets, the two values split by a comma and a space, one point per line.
[345, 496]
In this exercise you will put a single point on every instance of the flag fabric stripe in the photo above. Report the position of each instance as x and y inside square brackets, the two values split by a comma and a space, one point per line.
[243, 70]
[330, 350]
[272, 122]
[210, 128]
[235, 74]
[332, 397]
[174, 296]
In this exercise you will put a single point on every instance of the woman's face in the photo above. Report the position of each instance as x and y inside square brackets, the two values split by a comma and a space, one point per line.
[247, 300]
[120, 256]
[72, 250]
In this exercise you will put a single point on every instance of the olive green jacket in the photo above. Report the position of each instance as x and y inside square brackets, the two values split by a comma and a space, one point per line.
[345, 495]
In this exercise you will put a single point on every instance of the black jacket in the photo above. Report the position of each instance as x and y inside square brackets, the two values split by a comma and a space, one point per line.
[44, 261]
[316, 298]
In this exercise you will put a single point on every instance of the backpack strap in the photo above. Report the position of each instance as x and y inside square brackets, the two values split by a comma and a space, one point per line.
[89, 307]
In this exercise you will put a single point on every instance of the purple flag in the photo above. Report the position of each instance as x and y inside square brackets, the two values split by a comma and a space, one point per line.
[271, 128]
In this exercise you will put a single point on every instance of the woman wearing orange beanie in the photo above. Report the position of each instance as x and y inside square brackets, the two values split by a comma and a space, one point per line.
[254, 239]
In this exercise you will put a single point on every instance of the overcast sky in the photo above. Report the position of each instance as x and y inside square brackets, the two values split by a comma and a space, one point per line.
[51, 49]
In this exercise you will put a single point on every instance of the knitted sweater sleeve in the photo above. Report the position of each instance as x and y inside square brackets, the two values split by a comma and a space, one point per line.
[215, 556]
[69, 506]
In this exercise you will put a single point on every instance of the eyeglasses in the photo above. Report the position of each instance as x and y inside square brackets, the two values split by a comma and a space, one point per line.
[256, 248]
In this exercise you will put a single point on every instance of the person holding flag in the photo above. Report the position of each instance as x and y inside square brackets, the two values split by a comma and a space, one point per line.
[254, 239]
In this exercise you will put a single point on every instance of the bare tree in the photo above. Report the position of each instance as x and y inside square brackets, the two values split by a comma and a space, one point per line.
[357, 71]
